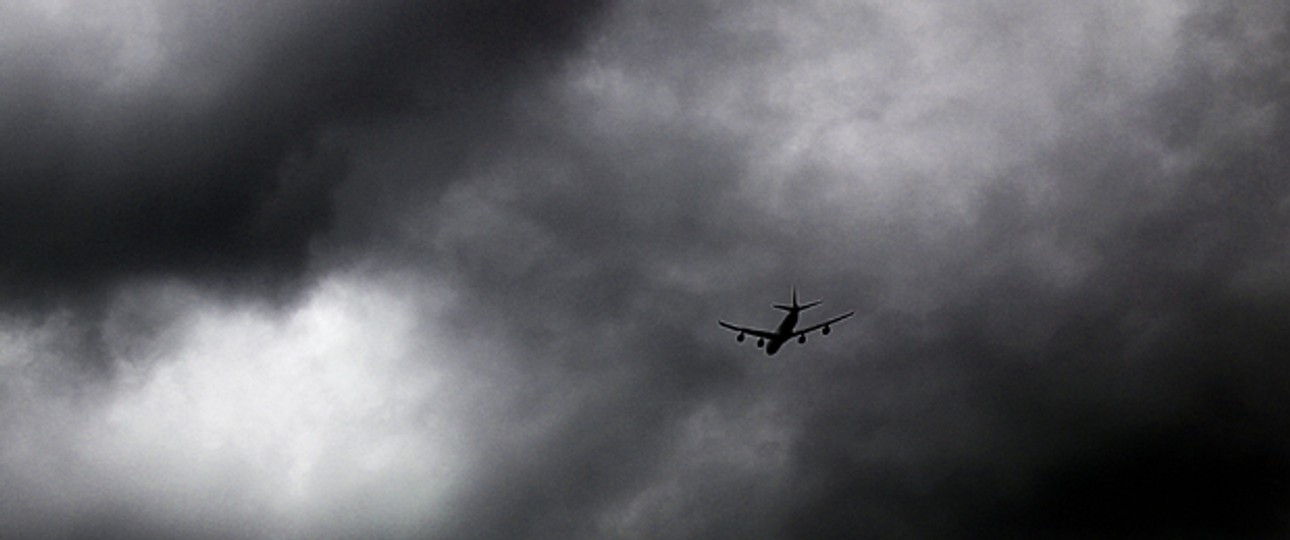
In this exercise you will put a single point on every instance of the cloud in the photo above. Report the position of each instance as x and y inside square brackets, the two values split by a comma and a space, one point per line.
[198, 139]
[505, 232]
[1013, 206]
[244, 420]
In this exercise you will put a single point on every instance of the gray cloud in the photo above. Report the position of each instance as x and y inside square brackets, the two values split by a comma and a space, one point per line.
[506, 232]
[192, 139]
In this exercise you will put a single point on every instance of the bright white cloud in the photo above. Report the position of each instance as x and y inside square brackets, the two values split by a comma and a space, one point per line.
[331, 416]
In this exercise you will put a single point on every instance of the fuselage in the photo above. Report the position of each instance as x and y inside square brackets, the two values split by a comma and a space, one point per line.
[784, 331]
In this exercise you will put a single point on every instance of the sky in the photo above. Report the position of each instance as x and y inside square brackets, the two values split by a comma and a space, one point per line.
[383, 269]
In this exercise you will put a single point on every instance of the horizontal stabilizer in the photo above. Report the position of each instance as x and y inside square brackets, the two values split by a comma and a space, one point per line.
[797, 308]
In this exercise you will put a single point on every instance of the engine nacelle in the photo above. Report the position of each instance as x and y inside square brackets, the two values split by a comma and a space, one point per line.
[760, 343]
[801, 338]
[825, 330]
[740, 337]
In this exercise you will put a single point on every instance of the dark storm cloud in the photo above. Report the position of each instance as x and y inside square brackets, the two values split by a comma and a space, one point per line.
[1061, 226]
[214, 143]
[213, 160]
[1077, 336]
[1142, 401]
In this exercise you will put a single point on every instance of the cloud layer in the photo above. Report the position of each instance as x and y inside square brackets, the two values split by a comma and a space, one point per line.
[451, 271]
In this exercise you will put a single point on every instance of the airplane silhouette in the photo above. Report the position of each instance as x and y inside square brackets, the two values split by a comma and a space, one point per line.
[787, 328]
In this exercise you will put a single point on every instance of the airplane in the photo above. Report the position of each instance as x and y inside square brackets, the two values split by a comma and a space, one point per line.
[787, 328]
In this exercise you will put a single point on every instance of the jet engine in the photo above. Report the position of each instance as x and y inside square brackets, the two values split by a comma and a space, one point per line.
[740, 337]
[825, 330]
[801, 338]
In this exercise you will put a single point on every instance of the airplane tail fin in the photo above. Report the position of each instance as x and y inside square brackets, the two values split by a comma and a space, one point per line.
[796, 307]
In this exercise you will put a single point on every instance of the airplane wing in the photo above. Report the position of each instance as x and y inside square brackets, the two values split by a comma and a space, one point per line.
[746, 330]
[815, 327]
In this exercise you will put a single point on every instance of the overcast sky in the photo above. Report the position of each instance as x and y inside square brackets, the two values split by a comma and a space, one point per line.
[435, 270]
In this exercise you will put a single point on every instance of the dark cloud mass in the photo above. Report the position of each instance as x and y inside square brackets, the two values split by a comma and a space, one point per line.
[451, 269]
[216, 160]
